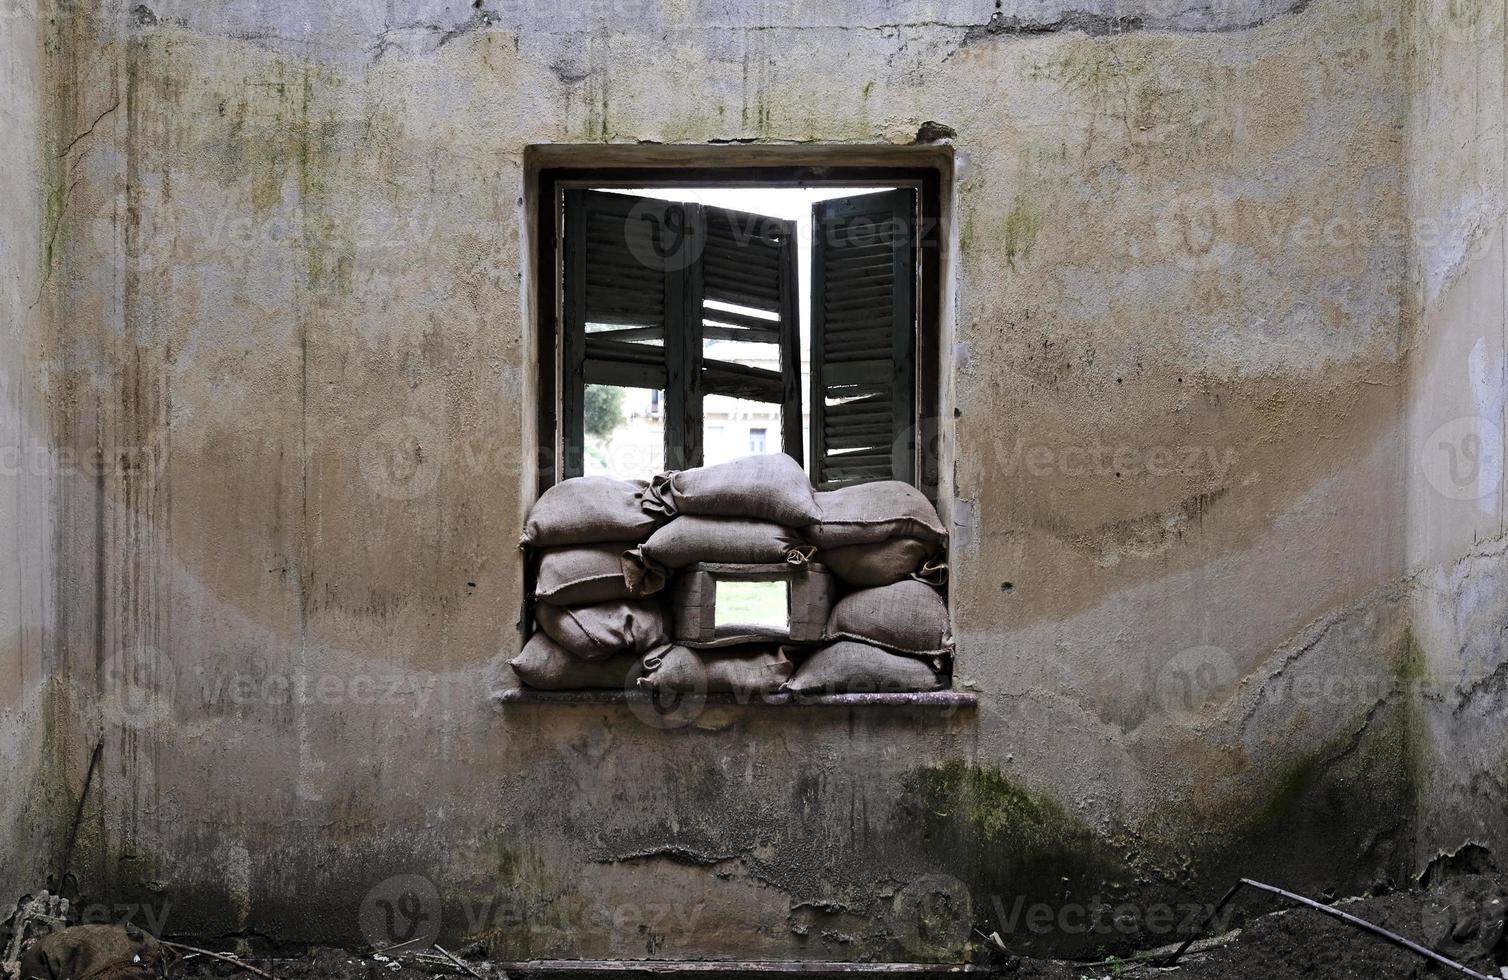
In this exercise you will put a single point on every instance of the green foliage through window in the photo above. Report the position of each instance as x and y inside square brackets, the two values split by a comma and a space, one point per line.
[603, 411]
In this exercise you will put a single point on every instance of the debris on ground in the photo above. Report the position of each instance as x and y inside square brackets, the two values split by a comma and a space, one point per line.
[97, 952]
[1455, 917]
[31, 919]
[1460, 915]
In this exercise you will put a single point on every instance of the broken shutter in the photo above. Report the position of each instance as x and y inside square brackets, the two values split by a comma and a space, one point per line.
[625, 276]
[863, 339]
[748, 288]
[649, 284]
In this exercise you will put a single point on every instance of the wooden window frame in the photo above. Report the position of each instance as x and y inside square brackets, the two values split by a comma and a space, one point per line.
[550, 180]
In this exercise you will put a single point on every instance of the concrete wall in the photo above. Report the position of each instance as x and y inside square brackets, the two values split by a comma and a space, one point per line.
[290, 312]
[26, 463]
[1459, 381]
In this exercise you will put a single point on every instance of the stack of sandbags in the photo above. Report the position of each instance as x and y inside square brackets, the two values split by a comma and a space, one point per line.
[888, 639]
[749, 511]
[593, 625]
[607, 549]
[891, 632]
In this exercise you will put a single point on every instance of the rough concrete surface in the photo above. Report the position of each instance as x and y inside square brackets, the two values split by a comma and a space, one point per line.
[1225, 279]
[26, 465]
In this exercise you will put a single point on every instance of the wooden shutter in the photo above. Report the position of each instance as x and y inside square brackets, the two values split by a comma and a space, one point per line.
[863, 339]
[639, 275]
[749, 261]
[625, 271]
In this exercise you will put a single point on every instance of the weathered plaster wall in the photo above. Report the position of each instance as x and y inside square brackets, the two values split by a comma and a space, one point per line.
[1457, 549]
[289, 309]
[26, 464]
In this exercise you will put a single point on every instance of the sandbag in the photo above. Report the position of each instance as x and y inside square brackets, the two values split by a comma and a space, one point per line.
[97, 952]
[581, 575]
[722, 541]
[771, 487]
[605, 629]
[907, 617]
[866, 513]
[849, 667]
[543, 664]
[870, 565]
[589, 510]
[715, 540]
[740, 670]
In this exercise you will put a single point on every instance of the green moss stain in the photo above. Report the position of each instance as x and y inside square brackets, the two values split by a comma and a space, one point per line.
[1410, 669]
[1354, 797]
[1020, 232]
[597, 104]
[516, 904]
[1293, 785]
[1411, 675]
[1013, 848]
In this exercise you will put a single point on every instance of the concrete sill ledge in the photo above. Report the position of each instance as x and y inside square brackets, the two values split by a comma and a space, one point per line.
[935, 699]
[764, 968]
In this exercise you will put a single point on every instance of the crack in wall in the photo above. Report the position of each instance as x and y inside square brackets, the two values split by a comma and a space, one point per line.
[1309, 638]
[431, 33]
[679, 853]
[97, 120]
[1494, 684]
[1096, 24]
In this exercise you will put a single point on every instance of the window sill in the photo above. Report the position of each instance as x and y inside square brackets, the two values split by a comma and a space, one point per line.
[935, 699]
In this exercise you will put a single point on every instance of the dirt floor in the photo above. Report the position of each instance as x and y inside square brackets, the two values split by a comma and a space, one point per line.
[1461, 917]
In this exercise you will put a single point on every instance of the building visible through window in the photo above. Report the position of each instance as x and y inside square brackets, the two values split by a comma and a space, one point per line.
[756, 440]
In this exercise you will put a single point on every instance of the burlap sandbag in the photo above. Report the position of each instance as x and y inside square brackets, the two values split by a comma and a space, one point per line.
[772, 487]
[97, 952]
[589, 510]
[740, 670]
[581, 575]
[543, 664]
[870, 512]
[605, 629]
[871, 565]
[717, 540]
[848, 667]
[907, 617]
